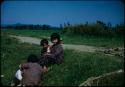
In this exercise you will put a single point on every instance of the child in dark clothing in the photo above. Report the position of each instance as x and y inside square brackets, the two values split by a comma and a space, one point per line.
[57, 53]
[31, 73]
[45, 46]
[45, 49]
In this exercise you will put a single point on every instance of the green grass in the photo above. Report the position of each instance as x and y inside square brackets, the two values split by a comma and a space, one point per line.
[33, 33]
[73, 39]
[77, 67]
[13, 53]
[112, 80]
[95, 41]
[80, 66]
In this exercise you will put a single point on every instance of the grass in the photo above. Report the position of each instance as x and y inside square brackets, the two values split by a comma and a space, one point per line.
[13, 53]
[112, 80]
[73, 39]
[77, 67]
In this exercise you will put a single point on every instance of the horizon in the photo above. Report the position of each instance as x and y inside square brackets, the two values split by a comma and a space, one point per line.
[55, 13]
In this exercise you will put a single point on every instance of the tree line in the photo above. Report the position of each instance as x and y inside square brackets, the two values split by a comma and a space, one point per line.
[99, 28]
[29, 27]
[94, 29]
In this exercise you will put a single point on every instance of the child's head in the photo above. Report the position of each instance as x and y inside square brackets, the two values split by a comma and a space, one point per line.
[55, 38]
[32, 58]
[44, 42]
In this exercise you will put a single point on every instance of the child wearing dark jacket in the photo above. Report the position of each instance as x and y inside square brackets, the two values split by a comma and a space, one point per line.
[45, 49]
[45, 46]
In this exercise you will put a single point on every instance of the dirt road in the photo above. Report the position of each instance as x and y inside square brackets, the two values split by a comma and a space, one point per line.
[83, 48]
[33, 40]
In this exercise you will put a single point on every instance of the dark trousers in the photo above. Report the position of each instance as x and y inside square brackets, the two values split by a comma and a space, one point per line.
[46, 61]
[15, 81]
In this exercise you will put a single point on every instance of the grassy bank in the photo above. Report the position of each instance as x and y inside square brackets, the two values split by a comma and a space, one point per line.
[77, 67]
[73, 39]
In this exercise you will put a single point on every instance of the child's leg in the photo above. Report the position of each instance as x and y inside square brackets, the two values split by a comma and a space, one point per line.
[43, 61]
[17, 78]
[15, 82]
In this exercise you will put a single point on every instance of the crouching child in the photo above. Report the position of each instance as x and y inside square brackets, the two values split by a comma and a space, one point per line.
[29, 74]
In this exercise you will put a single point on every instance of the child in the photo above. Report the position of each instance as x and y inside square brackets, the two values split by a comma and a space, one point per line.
[17, 79]
[57, 53]
[45, 49]
[31, 73]
[45, 46]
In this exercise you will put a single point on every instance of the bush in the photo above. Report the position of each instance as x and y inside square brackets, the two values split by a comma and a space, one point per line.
[94, 30]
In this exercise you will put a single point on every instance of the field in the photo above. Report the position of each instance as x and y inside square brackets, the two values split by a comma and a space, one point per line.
[73, 39]
[77, 67]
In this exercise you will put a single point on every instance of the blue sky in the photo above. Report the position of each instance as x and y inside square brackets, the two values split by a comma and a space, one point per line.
[57, 12]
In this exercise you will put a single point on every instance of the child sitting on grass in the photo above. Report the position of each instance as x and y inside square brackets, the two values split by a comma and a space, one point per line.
[45, 46]
[29, 74]
[45, 49]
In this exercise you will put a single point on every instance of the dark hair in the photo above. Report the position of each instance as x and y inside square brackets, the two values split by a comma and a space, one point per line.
[32, 58]
[55, 36]
[43, 41]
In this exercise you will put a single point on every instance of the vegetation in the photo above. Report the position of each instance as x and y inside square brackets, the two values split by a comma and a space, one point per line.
[72, 38]
[13, 53]
[112, 79]
[96, 34]
[77, 67]
[96, 29]
[99, 28]
[19, 26]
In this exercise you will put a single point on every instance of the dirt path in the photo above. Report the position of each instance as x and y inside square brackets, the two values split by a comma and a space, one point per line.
[84, 48]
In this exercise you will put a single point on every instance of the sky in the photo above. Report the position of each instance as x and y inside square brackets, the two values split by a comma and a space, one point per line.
[55, 13]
